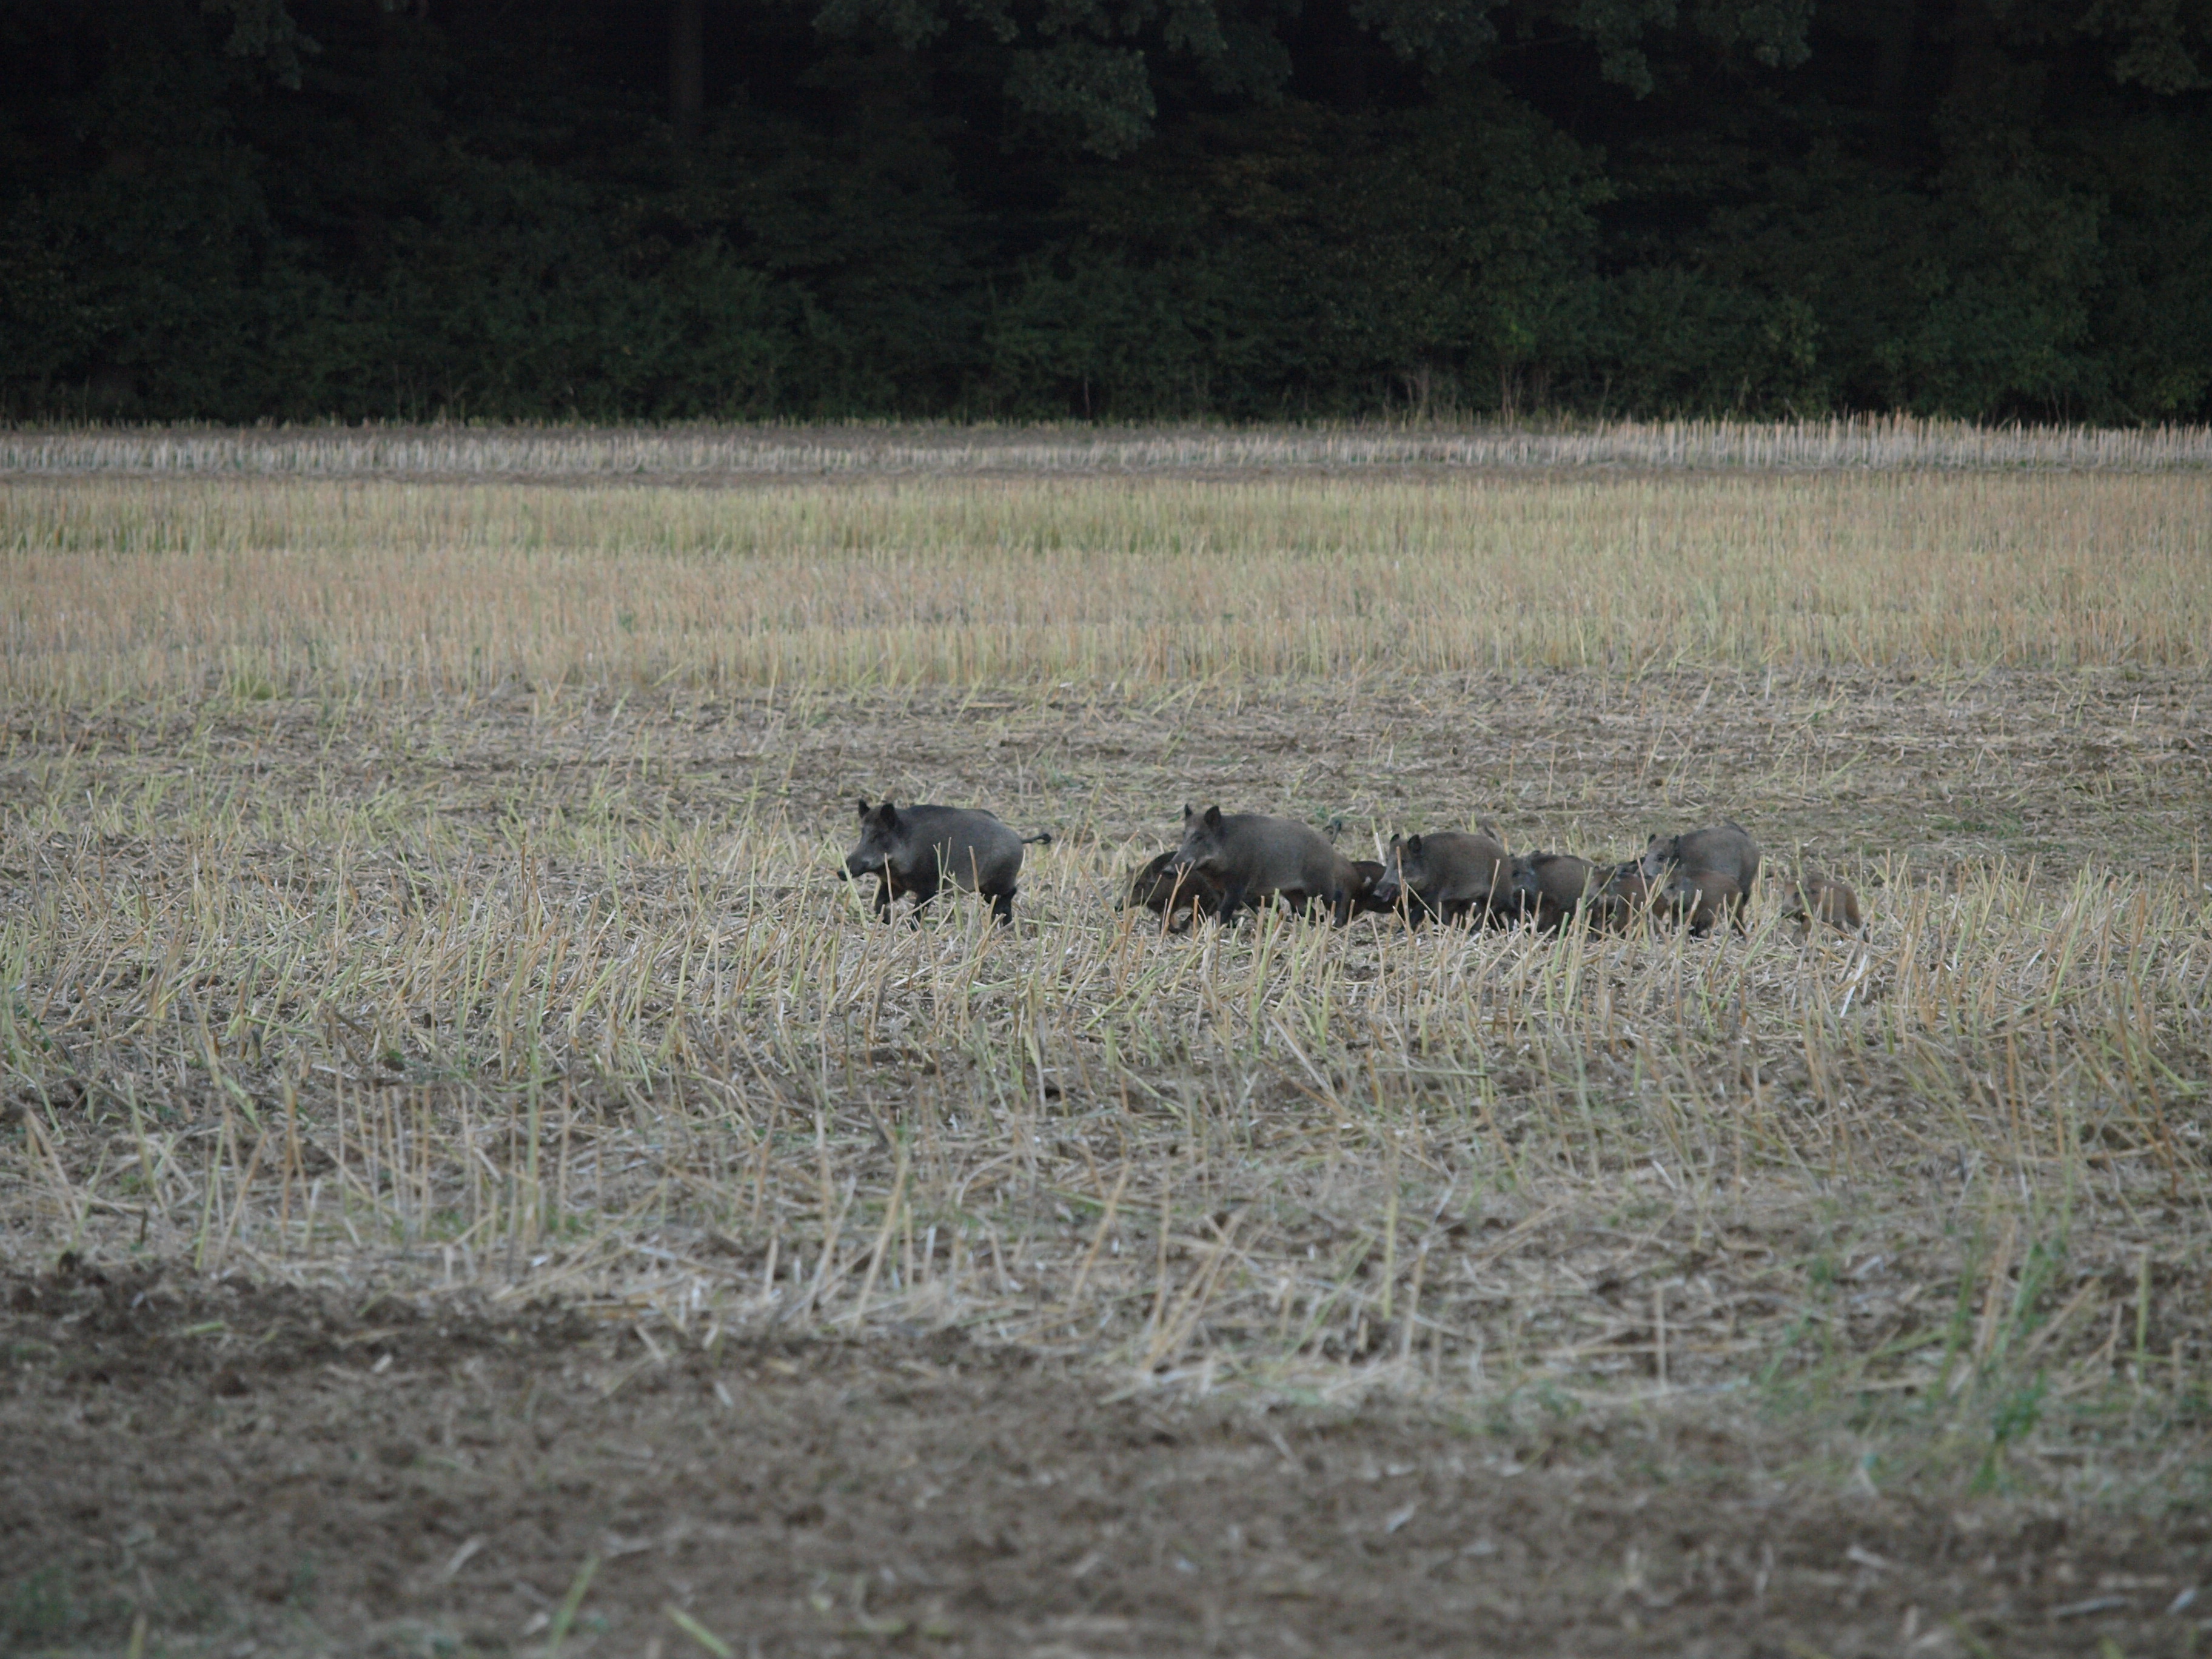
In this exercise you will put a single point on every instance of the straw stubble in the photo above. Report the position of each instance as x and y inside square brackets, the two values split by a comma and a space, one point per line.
[424, 887]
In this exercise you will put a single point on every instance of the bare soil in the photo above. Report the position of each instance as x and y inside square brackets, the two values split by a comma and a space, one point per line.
[270, 1471]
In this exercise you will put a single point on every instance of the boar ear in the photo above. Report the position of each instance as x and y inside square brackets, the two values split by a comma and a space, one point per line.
[1414, 845]
[1213, 818]
[863, 807]
[1397, 841]
[1187, 813]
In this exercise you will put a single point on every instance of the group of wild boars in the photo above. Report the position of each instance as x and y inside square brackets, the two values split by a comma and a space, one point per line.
[1230, 862]
[917, 849]
[1698, 879]
[1180, 896]
[1458, 876]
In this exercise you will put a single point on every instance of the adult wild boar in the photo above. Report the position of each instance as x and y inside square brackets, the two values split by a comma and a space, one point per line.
[917, 849]
[1815, 898]
[1723, 849]
[1168, 892]
[1251, 856]
[1453, 874]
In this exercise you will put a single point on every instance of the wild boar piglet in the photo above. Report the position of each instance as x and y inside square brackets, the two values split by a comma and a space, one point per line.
[1453, 875]
[1704, 899]
[1555, 888]
[1168, 892]
[1625, 901]
[1725, 849]
[1815, 898]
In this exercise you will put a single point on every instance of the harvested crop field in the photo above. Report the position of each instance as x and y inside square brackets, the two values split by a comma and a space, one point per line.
[474, 1181]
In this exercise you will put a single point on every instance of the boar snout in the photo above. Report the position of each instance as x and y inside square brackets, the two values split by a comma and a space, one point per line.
[1522, 889]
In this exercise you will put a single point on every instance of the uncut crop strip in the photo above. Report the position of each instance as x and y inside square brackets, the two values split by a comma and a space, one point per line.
[118, 590]
[674, 453]
[649, 1073]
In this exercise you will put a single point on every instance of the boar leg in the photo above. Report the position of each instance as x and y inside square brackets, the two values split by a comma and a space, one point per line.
[924, 890]
[1002, 906]
[1232, 900]
[885, 893]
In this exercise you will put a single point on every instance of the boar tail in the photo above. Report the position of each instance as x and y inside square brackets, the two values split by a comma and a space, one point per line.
[1042, 838]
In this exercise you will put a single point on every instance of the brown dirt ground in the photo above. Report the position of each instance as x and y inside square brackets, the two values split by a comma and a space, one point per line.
[270, 1471]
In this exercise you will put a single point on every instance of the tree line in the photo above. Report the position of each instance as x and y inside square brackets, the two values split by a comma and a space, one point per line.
[245, 210]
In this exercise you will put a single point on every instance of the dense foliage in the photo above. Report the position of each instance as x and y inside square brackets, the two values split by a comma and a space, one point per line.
[245, 208]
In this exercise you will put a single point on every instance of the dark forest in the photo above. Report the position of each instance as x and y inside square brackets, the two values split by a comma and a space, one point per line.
[251, 209]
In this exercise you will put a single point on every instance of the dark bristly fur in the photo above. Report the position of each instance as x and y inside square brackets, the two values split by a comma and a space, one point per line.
[1625, 899]
[1170, 893]
[1725, 849]
[1554, 886]
[1361, 877]
[1703, 899]
[917, 849]
[1452, 874]
[1252, 856]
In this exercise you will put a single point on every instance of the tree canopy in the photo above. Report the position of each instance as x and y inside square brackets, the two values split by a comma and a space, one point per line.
[654, 208]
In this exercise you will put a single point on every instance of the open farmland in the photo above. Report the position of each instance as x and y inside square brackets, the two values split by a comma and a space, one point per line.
[474, 1181]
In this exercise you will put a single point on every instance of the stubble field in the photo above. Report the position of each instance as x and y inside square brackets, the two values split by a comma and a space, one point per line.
[474, 1181]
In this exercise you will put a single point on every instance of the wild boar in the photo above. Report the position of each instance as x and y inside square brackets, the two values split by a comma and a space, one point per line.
[1168, 892]
[1725, 849]
[1251, 856]
[1552, 887]
[919, 849]
[1815, 898]
[1452, 874]
[1703, 899]
[1624, 900]
[1360, 877]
